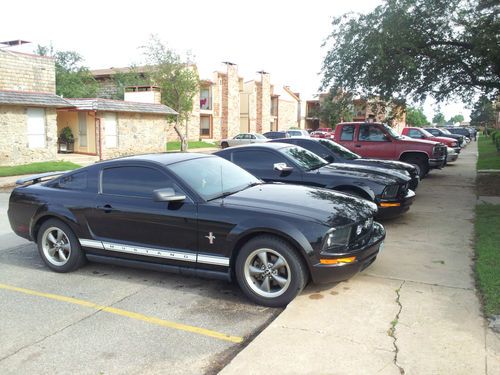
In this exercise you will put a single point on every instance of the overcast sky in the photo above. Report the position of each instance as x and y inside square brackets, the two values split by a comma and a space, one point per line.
[281, 37]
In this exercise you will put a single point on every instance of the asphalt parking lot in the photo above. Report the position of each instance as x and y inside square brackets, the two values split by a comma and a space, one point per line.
[106, 319]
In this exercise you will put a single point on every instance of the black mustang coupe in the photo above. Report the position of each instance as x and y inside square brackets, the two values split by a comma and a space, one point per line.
[332, 152]
[281, 162]
[197, 214]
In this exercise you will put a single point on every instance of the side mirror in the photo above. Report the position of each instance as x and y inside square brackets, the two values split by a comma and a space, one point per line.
[282, 167]
[167, 195]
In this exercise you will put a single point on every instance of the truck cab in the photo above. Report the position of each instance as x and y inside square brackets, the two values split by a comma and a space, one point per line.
[380, 141]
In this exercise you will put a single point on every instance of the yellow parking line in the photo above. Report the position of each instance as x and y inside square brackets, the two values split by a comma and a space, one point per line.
[128, 314]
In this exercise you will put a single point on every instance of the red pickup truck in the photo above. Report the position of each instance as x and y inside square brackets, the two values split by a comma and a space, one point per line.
[419, 133]
[380, 141]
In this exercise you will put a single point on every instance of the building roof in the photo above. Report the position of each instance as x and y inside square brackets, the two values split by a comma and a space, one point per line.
[99, 104]
[34, 99]
[111, 71]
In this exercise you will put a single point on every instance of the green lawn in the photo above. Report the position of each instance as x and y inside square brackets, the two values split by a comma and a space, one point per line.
[488, 256]
[488, 158]
[34, 168]
[176, 145]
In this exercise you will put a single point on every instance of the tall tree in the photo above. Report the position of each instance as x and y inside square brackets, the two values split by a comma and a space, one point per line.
[416, 48]
[456, 118]
[438, 119]
[416, 117]
[483, 113]
[177, 78]
[73, 79]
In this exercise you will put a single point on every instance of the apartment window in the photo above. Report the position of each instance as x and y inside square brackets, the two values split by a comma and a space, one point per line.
[205, 127]
[36, 127]
[205, 99]
[110, 130]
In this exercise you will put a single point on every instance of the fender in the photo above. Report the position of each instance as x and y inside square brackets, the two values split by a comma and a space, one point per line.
[271, 225]
[366, 189]
[60, 212]
[423, 153]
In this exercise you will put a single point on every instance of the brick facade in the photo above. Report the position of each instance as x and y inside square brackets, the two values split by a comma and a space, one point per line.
[23, 72]
[263, 92]
[14, 148]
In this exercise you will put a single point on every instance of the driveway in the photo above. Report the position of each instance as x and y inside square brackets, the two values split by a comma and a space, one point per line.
[105, 319]
[414, 311]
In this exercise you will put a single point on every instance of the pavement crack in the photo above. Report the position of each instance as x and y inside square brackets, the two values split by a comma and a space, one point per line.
[392, 330]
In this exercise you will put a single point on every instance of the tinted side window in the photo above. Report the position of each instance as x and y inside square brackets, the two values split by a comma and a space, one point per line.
[133, 181]
[371, 133]
[75, 181]
[256, 159]
[314, 147]
[347, 133]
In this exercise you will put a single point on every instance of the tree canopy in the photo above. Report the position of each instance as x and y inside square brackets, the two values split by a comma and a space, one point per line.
[416, 117]
[456, 118]
[483, 113]
[73, 79]
[438, 119]
[417, 48]
[335, 108]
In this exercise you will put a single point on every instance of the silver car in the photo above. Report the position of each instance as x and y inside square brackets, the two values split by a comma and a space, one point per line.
[243, 139]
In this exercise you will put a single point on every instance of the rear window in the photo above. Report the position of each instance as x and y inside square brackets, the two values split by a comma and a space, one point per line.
[75, 181]
[347, 133]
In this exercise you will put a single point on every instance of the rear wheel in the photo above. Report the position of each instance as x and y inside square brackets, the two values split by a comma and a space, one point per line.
[269, 271]
[224, 145]
[59, 247]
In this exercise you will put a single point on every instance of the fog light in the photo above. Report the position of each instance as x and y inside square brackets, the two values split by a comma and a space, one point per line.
[338, 260]
[390, 204]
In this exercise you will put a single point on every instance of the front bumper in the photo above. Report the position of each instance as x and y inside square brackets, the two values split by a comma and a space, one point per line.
[388, 209]
[366, 255]
[451, 158]
[437, 163]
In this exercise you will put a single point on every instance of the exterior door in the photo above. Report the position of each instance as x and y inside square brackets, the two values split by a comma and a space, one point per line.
[132, 225]
[372, 142]
[82, 129]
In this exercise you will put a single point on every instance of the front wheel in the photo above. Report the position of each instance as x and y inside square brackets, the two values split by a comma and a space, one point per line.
[420, 164]
[270, 272]
[224, 145]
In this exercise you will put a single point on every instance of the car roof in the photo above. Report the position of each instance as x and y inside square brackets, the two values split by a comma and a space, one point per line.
[162, 158]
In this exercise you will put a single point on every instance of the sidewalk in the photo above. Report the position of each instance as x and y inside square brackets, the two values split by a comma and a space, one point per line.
[414, 311]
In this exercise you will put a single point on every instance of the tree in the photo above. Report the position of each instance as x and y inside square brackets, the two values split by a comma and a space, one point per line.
[335, 108]
[416, 48]
[416, 117]
[455, 119]
[130, 78]
[177, 78]
[438, 119]
[73, 79]
[483, 113]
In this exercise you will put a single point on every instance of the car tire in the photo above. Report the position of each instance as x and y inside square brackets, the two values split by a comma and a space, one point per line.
[224, 145]
[58, 246]
[276, 283]
[420, 164]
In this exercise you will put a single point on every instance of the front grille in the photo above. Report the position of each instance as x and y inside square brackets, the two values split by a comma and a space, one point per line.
[439, 151]
[361, 239]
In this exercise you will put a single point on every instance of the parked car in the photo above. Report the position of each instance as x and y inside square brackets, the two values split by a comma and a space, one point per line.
[320, 134]
[274, 135]
[298, 133]
[281, 162]
[243, 139]
[200, 215]
[334, 153]
[380, 141]
[442, 132]
[451, 156]
[420, 133]
[462, 131]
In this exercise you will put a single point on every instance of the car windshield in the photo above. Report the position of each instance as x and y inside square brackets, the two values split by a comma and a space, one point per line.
[391, 131]
[304, 158]
[213, 177]
[260, 136]
[446, 131]
[427, 134]
[339, 150]
[295, 133]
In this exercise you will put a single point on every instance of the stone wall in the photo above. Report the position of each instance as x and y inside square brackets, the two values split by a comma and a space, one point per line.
[14, 138]
[287, 114]
[23, 72]
[137, 134]
[263, 103]
[230, 119]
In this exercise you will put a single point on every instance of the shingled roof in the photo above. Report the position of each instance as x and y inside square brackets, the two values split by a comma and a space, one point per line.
[98, 104]
[33, 99]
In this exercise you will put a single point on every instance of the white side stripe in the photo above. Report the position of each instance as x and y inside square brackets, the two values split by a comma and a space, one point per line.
[158, 253]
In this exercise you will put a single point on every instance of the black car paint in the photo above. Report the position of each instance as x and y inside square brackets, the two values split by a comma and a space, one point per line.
[316, 145]
[300, 215]
[330, 176]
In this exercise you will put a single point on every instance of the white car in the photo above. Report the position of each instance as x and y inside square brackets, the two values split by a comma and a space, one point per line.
[243, 139]
[293, 133]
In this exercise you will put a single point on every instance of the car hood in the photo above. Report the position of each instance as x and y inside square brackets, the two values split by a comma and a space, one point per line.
[360, 173]
[324, 206]
[378, 170]
[389, 164]
[417, 141]
[444, 140]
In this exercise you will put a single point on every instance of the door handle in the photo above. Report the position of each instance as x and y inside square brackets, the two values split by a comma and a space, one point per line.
[106, 208]
[357, 145]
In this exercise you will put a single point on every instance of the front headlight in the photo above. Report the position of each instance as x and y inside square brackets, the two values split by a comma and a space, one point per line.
[390, 191]
[336, 239]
